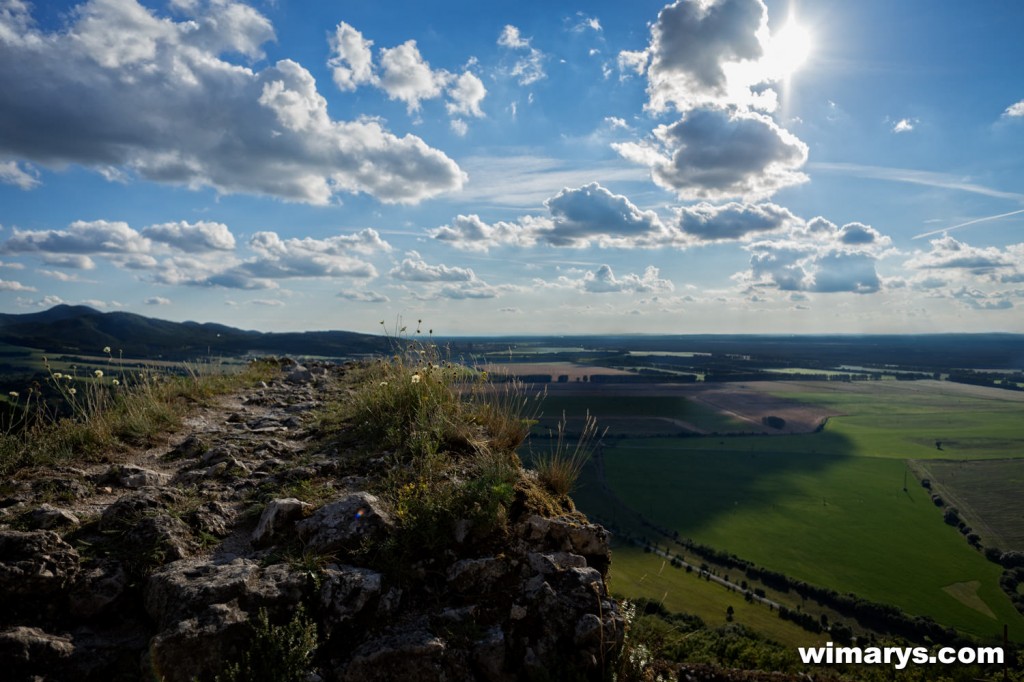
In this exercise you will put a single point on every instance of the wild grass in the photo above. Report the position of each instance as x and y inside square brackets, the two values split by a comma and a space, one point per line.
[448, 437]
[65, 418]
[560, 466]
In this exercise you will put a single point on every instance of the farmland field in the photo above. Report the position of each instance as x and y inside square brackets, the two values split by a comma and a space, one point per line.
[988, 494]
[830, 507]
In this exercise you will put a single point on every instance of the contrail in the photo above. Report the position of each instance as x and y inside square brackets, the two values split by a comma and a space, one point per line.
[969, 222]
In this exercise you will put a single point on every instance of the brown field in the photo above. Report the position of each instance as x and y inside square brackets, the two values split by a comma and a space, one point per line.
[748, 402]
[573, 370]
[987, 493]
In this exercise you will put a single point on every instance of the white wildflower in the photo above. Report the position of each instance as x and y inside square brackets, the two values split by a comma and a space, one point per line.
[58, 375]
[98, 374]
[106, 349]
[13, 394]
[415, 378]
[73, 391]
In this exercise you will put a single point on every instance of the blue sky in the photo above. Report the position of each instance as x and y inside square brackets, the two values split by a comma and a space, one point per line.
[532, 167]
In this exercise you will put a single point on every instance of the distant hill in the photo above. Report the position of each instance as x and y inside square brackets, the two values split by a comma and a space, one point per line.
[80, 329]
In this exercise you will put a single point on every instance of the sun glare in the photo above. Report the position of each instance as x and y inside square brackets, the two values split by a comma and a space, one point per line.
[789, 49]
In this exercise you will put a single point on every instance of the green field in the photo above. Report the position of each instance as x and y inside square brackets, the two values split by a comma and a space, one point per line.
[830, 507]
[906, 419]
[637, 574]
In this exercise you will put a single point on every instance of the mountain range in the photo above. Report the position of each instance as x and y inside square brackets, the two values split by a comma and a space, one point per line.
[81, 329]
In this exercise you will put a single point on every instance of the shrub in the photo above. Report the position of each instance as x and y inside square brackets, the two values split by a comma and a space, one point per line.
[560, 466]
[277, 653]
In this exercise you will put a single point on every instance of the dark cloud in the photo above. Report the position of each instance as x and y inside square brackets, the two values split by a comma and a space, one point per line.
[707, 222]
[715, 154]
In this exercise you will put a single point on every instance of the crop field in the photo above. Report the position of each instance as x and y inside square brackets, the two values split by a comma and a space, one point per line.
[916, 419]
[637, 574]
[988, 494]
[573, 370]
[830, 507]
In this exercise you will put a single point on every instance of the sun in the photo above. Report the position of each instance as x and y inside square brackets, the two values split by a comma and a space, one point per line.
[788, 49]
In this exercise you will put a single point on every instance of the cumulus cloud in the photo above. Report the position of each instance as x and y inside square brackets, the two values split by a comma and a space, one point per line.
[351, 61]
[157, 300]
[592, 212]
[192, 237]
[121, 89]
[701, 53]
[708, 222]
[528, 67]
[80, 238]
[414, 269]
[714, 154]
[408, 77]
[947, 253]
[466, 94]
[577, 218]
[202, 253]
[1015, 110]
[818, 256]
[603, 280]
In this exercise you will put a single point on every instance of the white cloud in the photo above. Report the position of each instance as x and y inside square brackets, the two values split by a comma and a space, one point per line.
[904, 125]
[157, 300]
[947, 253]
[603, 280]
[1015, 110]
[459, 127]
[192, 237]
[22, 177]
[268, 302]
[364, 296]
[408, 77]
[528, 68]
[714, 154]
[81, 238]
[579, 217]
[818, 256]
[351, 61]
[121, 89]
[414, 269]
[633, 62]
[466, 94]
[11, 285]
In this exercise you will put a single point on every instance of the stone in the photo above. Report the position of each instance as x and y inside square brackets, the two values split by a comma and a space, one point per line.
[347, 594]
[278, 520]
[132, 476]
[344, 524]
[48, 517]
[32, 653]
[35, 563]
[98, 588]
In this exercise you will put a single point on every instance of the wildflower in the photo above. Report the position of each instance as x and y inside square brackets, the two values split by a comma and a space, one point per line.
[383, 383]
[415, 378]
[13, 394]
[106, 349]
[98, 374]
[116, 382]
[72, 391]
[58, 375]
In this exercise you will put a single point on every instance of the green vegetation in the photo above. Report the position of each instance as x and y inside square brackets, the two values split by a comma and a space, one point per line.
[451, 438]
[637, 574]
[839, 521]
[70, 418]
[560, 466]
[913, 419]
[276, 653]
[679, 408]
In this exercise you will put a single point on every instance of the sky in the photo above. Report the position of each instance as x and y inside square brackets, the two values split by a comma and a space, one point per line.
[704, 166]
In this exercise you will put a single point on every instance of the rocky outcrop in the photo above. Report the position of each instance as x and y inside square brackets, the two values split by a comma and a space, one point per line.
[163, 565]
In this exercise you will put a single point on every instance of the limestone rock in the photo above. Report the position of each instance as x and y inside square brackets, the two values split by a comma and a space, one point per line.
[278, 518]
[342, 525]
[34, 563]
